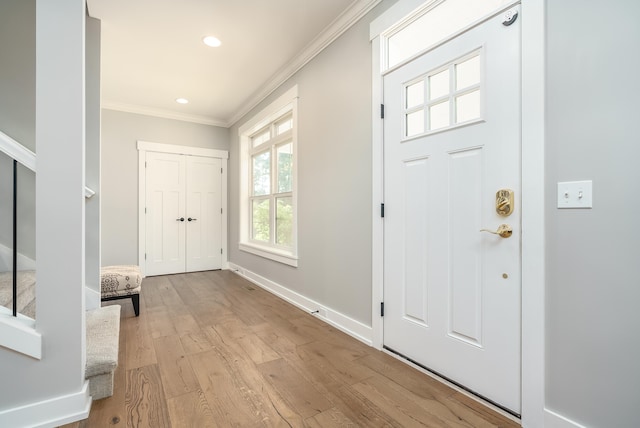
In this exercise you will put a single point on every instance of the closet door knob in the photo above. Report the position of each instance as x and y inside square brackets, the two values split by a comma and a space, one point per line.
[181, 219]
[192, 219]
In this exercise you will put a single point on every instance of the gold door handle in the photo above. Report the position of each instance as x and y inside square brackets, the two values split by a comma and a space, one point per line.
[504, 230]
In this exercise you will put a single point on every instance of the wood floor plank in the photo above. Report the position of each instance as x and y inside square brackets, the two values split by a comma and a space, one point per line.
[406, 408]
[152, 298]
[196, 342]
[183, 322]
[257, 349]
[361, 410]
[145, 401]
[175, 370]
[233, 400]
[191, 410]
[477, 414]
[330, 418]
[409, 378]
[139, 351]
[160, 322]
[294, 388]
[339, 358]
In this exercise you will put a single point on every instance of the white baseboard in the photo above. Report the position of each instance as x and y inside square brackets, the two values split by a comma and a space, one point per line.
[556, 420]
[50, 413]
[342, 322]
[6, 260]
[91, 298]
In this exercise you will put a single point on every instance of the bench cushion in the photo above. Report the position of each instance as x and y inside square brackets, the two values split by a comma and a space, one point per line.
[122, 280]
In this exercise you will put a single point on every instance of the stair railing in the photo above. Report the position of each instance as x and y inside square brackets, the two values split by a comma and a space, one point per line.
[19, 154]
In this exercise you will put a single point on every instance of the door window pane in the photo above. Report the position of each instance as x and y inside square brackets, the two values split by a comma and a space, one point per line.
[284, 221]
[437, 24]
[439, 115]
[260, 220]
[415, 94]
[439, 84]
[468, 73]
[261, 174]
[415, 123]
[285, 167]
[468, 107]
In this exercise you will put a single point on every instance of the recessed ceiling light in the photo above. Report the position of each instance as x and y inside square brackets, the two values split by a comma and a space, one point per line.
[211, 41]
[182, 100]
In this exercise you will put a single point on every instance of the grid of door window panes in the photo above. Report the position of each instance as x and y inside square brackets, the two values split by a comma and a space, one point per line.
[271, 200]
[445, 97]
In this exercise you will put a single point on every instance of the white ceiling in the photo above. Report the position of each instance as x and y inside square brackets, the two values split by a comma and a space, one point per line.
[152, 51]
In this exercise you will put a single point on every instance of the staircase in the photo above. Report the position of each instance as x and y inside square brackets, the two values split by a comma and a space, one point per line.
[103, 329]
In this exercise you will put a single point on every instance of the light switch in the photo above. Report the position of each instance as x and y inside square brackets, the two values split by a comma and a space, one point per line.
[575, 194]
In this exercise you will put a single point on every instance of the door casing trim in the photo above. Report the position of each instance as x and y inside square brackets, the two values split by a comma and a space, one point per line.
[146, 146]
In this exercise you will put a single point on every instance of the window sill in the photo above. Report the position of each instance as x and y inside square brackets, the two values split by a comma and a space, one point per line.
[279, 256]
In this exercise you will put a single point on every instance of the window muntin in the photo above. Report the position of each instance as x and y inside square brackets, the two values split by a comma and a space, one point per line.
[445, 97]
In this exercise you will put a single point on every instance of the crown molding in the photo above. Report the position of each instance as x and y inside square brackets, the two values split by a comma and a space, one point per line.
[342, 23]
[166, 114]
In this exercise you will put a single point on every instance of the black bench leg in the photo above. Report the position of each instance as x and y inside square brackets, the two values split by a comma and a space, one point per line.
[135, 299]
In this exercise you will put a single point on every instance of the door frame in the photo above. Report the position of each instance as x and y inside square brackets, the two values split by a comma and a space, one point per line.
[532, 198]
[146, 146]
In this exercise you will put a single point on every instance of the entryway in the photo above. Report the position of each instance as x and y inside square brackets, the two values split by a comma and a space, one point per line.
[452, 261]
[183, 213]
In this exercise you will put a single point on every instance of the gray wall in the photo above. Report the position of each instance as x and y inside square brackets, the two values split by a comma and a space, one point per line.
[334, 178]
[593, 264]
[18, 117]
[119, 183]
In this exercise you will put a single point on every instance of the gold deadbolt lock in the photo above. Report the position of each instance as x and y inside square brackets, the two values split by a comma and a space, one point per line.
[504, 202]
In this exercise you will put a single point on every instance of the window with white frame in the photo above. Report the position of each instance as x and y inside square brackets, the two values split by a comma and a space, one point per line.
[268, 182]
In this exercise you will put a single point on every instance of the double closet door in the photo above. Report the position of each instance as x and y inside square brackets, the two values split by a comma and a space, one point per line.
[183, 213]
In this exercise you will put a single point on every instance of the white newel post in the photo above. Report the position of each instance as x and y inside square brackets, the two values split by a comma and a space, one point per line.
[60, 202]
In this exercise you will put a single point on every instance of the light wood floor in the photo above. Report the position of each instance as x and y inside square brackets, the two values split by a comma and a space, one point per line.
[210, 349]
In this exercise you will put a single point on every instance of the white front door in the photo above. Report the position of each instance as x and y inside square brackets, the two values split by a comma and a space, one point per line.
[183, 213]
[165, 211]
[451, 141]
[204, 213]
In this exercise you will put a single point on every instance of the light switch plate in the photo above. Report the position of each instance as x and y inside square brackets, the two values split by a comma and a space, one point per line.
[575, 194]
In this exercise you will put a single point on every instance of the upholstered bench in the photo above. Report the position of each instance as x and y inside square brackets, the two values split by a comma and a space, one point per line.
[121, 282]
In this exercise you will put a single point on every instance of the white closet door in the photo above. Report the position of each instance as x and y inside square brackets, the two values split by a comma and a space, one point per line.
[165, 208]
[203, 214]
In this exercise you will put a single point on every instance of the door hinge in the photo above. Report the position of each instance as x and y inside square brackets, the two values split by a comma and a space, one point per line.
[145, 210]
[220, 250]
[382, 210]
[381, 309]
[220, 210]
[145, 256]
[381, 111]
[145, 164]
